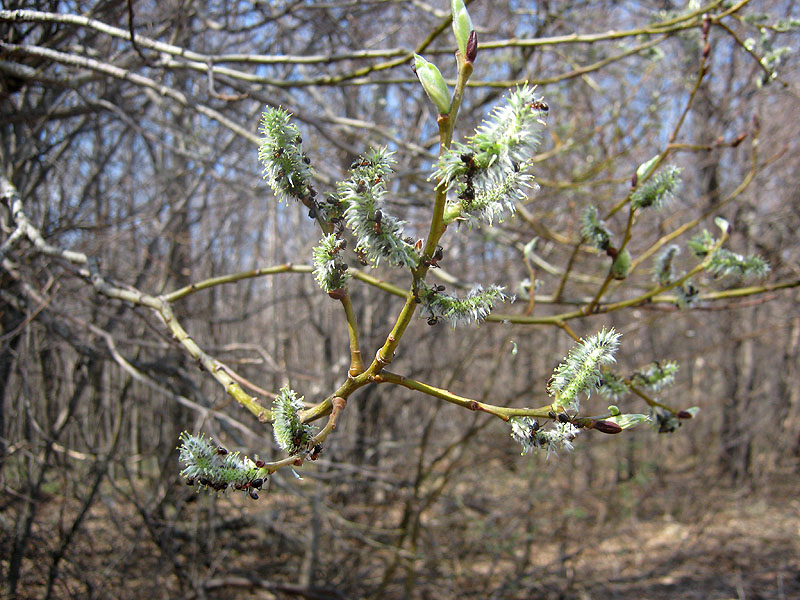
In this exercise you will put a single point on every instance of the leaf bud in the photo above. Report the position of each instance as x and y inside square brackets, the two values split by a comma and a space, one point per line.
[706, 25]
[723, 225]
[472, 47]
[646, 168]
[621, 265]
[462, 26]
[433, 83]
[607, 427]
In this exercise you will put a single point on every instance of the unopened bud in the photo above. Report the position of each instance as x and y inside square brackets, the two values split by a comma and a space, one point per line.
[607, 427]
[723, 224]
[472, 47]
[739, 139]
[462, 26]
[706, 49]
[684, 414]
[706, 25]
[621, 265]
[635, 180]
[433, 83]
[338, 294]
[646, 168]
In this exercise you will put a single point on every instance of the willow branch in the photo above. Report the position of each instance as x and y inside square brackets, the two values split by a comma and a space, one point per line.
[356, 363]
[136, 297]
[127, 75]
[501, 412]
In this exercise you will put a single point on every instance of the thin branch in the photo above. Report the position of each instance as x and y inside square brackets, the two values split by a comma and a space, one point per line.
[501, 412]
[138, 298]
[356, 363]
[127, 75]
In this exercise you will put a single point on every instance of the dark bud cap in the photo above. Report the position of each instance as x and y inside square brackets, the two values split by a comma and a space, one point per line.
[684, 414]
[472, 47]
[612, 252]
[635, 179]
[706, 24]
[739, 139]
[607, 427]
[338, 294]
[260, 464]
[706, 49]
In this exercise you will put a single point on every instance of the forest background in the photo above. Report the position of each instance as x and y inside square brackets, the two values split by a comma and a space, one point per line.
[136, 161]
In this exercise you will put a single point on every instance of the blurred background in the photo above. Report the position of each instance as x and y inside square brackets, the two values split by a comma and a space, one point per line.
[143, 156]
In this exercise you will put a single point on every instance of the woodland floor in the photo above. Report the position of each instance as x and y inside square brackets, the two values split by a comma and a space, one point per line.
[687, 540]
[725, 543]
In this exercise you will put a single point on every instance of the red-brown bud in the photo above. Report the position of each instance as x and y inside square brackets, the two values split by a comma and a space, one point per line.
[338, 294]
[635, 179]
[706, 50]
[706, 25]
[472, 47]
[739, 139]
[684, 414]
[607, 427]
